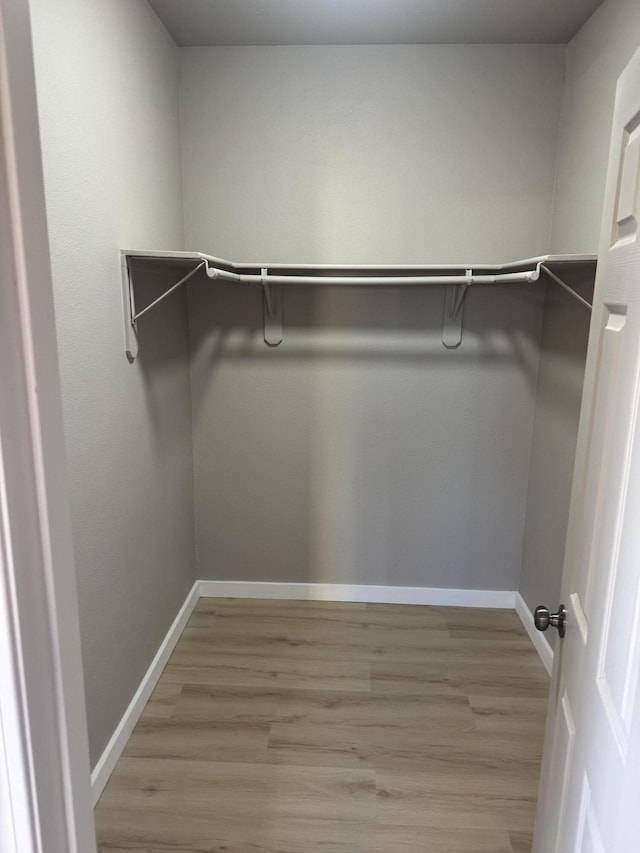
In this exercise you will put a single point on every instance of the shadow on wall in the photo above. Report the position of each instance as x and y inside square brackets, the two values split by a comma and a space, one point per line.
[163, 361]
[383, 325]
[564, 342]
[565, 336]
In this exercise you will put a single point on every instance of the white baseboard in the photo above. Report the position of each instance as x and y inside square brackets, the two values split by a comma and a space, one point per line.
[504, 599]
[539, 640]
[113, 750]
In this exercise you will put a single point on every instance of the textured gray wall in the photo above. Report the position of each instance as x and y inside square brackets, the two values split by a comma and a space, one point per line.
[370, 154]
[361, 451]
[108, 93]
[595, 59]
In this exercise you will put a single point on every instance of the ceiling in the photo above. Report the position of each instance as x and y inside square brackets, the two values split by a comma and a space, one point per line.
[236, 22]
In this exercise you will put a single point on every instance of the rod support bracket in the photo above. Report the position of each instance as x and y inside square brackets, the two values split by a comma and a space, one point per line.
[272, 309]
[129, 309]
[453, 311]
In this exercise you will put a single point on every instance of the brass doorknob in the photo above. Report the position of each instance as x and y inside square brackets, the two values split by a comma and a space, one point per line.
[542, 618]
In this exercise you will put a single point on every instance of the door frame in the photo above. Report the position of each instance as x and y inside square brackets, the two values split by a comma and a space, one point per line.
[45, 785]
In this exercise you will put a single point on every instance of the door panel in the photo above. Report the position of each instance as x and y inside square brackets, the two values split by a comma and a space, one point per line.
[589, 833]
[620, 672]
[627, 206]
[594, 727]
[560, 763]
[599, 453]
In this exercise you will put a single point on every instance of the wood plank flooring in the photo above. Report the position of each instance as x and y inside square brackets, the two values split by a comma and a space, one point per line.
[300, 727]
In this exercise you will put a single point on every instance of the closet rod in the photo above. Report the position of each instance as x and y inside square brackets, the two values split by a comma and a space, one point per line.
[566, 287]
[382, 281]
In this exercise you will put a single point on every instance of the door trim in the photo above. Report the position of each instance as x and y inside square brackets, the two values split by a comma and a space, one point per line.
[42, 710]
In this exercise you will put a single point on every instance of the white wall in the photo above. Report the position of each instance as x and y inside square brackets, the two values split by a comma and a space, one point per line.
[361, 451]
[595, 59]
[108, 91]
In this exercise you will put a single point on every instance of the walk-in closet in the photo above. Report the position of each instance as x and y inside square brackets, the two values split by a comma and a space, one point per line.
[323, 278]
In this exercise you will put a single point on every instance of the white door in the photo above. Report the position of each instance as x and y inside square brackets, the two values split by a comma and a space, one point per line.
[590, 787]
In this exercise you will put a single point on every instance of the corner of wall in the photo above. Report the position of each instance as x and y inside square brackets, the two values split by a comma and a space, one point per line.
[559, 113]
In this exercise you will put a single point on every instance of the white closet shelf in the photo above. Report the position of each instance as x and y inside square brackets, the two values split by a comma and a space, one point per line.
[456, 278]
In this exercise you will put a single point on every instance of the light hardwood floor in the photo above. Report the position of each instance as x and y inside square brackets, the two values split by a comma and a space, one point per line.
[300, 727]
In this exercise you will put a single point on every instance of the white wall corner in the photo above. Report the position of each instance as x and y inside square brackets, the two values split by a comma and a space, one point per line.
[503, 599]
[107, 761]
[539, 640]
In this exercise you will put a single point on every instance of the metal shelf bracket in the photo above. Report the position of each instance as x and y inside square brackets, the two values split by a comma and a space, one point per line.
[454, 299]
[131, 316]
[129, 310]
[566, 287]
[272, 306]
